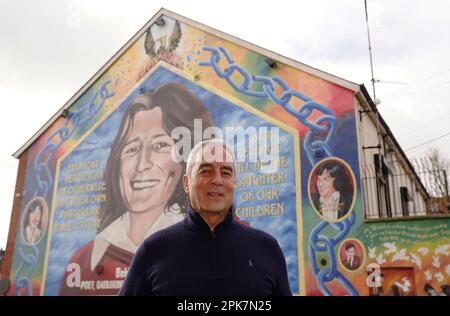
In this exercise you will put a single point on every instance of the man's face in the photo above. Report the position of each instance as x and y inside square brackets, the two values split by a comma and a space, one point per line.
[148, 175]
[325, 184]
[212, 182]
[35, 217]
[350, 253]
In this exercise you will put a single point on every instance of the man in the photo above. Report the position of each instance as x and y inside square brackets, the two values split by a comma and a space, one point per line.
[209, 252]
[333, 197]
[352, 261]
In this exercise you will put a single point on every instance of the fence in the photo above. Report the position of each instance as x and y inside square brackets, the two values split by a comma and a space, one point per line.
[390, 192]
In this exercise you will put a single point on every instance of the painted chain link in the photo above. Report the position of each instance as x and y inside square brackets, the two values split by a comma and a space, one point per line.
[315, 145]
[322, 243]
[44, 177]
[25, 259]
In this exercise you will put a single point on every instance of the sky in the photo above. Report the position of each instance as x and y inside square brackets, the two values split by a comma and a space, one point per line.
[50, 48]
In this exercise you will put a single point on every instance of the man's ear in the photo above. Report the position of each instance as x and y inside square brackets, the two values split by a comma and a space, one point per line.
[186, 183]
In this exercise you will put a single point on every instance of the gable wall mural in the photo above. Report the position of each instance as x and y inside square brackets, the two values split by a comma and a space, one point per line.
[88, 189]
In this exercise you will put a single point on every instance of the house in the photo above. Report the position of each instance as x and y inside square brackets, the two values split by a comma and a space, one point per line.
[317, 167]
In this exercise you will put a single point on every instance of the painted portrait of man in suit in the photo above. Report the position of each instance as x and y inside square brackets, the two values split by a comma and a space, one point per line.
[352, 260]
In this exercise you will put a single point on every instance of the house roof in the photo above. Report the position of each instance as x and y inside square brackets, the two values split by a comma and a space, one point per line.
[388, 132]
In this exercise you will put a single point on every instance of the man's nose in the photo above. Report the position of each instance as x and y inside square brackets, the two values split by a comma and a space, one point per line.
[217, 178]
[145, 160]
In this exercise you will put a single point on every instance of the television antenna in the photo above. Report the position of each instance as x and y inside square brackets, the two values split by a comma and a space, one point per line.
[373, 79]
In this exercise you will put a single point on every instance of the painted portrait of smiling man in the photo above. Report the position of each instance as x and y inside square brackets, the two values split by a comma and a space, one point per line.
[144, 191]
[34, 221]
[331, 189]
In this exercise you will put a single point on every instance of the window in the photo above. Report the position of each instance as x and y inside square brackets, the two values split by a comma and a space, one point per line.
[404, 196]
[382, 185]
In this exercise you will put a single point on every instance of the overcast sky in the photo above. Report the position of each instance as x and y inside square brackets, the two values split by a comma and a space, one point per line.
[50, 48]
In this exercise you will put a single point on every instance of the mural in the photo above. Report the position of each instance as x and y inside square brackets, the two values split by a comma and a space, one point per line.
[413, 256]
[102, 179]
[121, 190]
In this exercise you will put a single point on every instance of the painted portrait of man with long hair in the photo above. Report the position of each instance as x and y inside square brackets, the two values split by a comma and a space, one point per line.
[144, 191]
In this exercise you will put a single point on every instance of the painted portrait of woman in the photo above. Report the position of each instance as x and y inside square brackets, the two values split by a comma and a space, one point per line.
[144, 192]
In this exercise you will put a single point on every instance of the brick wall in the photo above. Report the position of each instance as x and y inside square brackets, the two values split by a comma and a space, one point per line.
[15, 220]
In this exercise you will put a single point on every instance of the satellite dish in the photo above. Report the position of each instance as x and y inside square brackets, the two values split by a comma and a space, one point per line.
[4, 286]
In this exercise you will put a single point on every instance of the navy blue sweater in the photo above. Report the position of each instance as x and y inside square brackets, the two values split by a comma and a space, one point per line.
[188, 258]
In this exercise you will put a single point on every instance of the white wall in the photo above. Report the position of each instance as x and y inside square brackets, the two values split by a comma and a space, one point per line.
[399, 173]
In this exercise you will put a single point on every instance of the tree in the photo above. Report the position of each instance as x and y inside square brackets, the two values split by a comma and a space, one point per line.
[433, 169]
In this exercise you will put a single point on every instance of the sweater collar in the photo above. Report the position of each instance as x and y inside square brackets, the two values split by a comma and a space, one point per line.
[196, 222]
